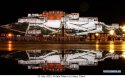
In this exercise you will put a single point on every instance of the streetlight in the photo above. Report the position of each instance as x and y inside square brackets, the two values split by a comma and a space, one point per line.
[111, 32]
[9, 35]
[123, 28]
[123, 55]
[97, 34]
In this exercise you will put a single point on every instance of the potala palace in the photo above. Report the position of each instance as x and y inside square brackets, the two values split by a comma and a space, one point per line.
[53, 20]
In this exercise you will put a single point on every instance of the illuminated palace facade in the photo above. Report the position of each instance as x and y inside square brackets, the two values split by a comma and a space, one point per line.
[52, 20]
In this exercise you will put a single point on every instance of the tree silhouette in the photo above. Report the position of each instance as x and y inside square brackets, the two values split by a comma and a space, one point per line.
[119, 31]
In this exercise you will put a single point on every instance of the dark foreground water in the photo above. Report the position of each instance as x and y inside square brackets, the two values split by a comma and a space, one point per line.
[67, 61]
[85, 59]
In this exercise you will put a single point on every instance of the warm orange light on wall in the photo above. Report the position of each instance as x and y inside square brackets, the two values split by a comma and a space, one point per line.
[53, 15]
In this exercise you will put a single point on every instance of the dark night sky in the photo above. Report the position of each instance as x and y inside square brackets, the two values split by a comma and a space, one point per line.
[108, 11]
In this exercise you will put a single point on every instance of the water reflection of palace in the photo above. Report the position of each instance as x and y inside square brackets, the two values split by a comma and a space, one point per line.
[59, 60]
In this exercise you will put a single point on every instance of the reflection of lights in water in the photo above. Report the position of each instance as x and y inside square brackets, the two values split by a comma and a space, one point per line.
[97, 47]
[10, 45]
[123, 46]
[9, 42]
[111, 47]
[60, 65]
[97, 42]
[123, 55]
[111, 51]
